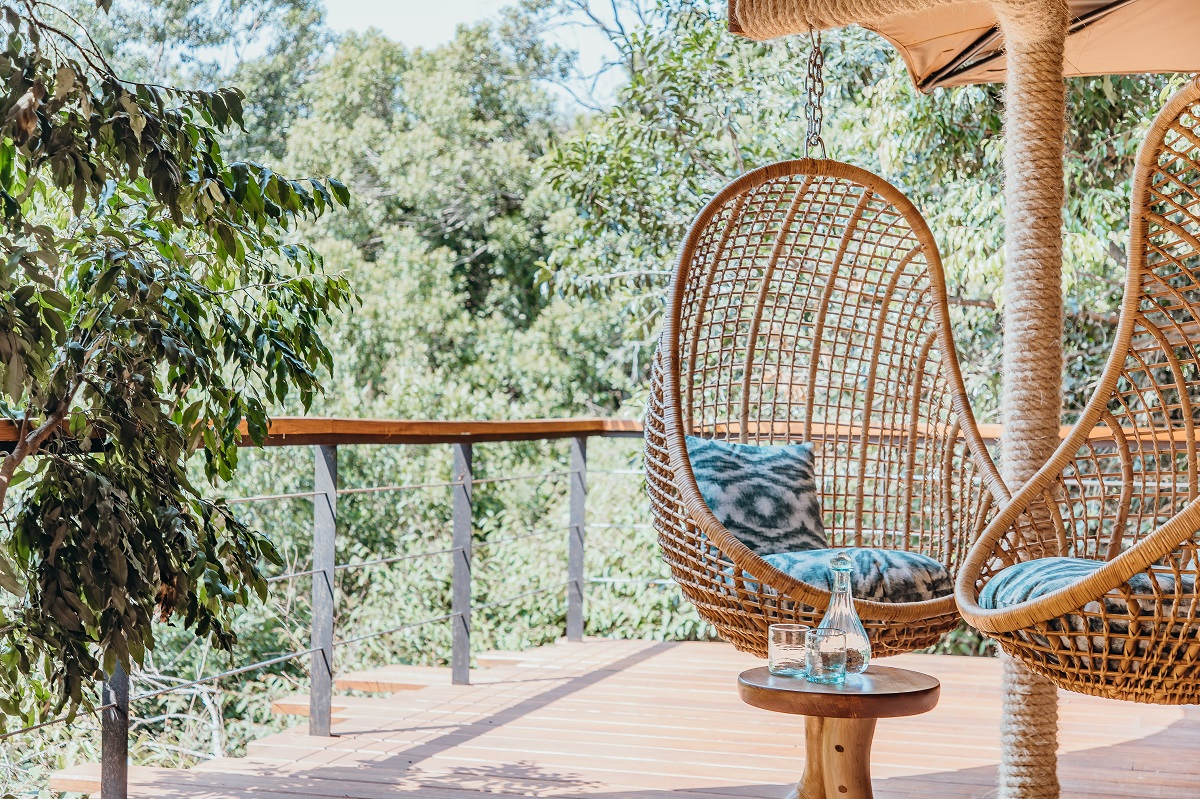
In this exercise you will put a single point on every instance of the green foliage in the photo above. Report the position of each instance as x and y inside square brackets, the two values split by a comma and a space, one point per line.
[269, 47]
[442, 143]
[513, 264]
[441, 149]
[152, 300]
[702, 106]
[967, 641]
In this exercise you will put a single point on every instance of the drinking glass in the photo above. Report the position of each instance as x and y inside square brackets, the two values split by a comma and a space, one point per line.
[826, 656]
[785, 649]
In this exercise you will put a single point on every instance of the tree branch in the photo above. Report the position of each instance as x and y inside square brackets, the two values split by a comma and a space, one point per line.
[30, 443]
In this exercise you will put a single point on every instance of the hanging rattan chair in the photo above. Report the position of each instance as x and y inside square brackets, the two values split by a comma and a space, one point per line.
[809, 304]
[1089, 575]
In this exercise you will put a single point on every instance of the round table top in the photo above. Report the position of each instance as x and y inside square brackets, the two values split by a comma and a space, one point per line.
[880, 692]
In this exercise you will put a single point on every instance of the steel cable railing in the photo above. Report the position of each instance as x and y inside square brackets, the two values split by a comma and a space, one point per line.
[410, 487]
[396, 559]
[261, 664]
[279, 578]
[115, 712]
[392, 630]
[515, 477]
[267, 497]
[522, 595]
[493, 542]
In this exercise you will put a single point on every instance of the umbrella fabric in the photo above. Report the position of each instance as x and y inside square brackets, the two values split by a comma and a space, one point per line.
[958, 43]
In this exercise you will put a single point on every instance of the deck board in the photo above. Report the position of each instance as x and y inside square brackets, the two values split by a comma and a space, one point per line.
[646, 720]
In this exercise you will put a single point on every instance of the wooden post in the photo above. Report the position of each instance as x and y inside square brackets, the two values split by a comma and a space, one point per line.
[114, 737]
[460, 580]
[320, 695]
[577, 533]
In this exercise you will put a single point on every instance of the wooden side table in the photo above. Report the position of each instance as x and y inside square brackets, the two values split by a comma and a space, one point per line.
[840, 721]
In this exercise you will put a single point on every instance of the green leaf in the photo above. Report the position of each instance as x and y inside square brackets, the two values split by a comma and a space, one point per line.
[340, 191]
[9, 581]
[56, 323]
[105, 283]
[56, 300]
[14, 377]
[8, 156]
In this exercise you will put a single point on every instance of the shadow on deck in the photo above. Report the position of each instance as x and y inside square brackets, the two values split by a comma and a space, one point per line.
[645, 720]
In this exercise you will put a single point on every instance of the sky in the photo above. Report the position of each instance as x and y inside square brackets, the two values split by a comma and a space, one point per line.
[428, 23]
[417, 23]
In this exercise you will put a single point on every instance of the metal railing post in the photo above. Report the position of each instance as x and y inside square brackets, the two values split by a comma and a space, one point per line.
[578, 532]
[320, 695]
[460, 585]
[114, 736]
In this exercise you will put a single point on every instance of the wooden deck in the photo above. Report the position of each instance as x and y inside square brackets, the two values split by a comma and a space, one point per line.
[645, 720]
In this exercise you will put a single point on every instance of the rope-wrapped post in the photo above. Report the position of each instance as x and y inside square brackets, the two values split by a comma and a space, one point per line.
[1035, 125]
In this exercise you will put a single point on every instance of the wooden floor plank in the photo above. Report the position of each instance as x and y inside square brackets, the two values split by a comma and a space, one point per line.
[653, 720]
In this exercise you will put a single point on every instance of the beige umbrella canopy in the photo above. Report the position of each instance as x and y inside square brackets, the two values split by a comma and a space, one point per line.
[959, 43]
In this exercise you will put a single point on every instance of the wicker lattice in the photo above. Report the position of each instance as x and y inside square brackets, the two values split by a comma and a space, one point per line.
[809, 304]
[1123, 486]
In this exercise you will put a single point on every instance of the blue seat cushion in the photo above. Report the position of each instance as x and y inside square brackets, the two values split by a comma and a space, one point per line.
[881, 575]
[1123, 622]
[764, 495]
[1035, 578]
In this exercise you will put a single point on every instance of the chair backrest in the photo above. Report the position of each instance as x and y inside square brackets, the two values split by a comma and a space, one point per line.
[1139, 466]
[809, 304]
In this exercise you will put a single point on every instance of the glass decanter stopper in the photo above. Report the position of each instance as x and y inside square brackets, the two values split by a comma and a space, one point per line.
[842, 616]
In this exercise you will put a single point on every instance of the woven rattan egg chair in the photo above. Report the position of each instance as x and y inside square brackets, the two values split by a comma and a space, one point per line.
[1117, 612]
[809, 304]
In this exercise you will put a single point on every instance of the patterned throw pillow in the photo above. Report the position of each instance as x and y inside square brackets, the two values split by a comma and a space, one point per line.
[881, 575]
[764, 495]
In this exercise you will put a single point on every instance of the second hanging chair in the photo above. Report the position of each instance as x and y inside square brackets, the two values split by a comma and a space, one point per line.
[1091, 574]
[809, 305]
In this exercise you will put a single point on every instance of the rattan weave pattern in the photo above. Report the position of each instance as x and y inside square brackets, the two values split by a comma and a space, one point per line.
[809, 305]
[1128, 497]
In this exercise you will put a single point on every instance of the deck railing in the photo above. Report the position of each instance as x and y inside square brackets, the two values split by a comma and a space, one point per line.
[325, 436]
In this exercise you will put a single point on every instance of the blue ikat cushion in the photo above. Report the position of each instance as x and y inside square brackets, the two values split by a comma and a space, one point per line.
[1035, 578]
[1114, 624]
[764, 495]
[881, 575]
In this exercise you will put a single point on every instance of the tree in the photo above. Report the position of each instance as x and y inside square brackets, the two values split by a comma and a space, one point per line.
[271, 48]
[152, 301]
[701, 106]
[443, 142]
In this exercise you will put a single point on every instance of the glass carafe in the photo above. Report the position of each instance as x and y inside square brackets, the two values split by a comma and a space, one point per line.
[842, 616]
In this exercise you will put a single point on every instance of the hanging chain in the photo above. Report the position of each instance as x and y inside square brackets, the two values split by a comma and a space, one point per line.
[814, 86]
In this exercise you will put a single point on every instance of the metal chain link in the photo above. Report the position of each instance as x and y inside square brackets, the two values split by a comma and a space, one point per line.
[814, 86]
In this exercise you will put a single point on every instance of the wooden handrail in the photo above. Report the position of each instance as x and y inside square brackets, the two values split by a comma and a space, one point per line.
[293, 431]
[825, 432]
[288, 431]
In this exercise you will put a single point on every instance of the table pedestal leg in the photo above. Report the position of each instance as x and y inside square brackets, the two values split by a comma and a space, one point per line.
[837, 759]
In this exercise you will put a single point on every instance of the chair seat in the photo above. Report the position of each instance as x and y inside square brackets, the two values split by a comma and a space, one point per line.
[880, 575]
[1126, 622]
[1036, 578]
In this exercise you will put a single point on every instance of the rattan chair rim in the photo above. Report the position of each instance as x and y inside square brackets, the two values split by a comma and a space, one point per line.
[742, 556]
[1167, 536]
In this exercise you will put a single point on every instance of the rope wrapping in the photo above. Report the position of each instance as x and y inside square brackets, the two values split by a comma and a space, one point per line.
[768, 19]
[1035, 126]
[1028, 735]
